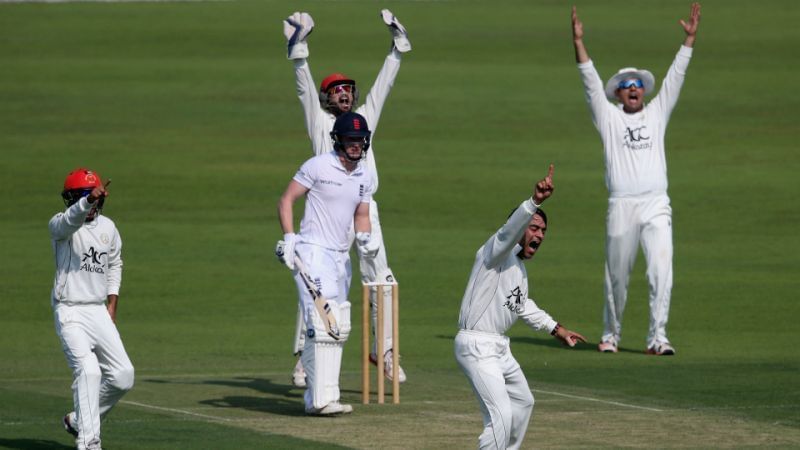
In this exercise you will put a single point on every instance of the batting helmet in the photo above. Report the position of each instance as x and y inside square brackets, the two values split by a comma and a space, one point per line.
[80, 183]
[352, 125]
[330, 82]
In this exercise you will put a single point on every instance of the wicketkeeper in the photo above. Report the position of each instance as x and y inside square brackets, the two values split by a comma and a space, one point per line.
[338, 95]
[496, 296]
[88, 255]
[338, 189]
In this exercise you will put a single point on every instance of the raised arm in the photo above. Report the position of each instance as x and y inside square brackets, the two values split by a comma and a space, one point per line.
[296, 28]
[581, 55]
[507, 237]
[670, 90]
[690, 26]
[373, 104]
[63, 225]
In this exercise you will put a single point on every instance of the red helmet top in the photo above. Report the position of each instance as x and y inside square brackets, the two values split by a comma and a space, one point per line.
[334, 79]
[82, 179]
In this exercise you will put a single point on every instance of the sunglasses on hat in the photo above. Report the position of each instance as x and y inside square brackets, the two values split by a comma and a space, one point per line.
[626, 84]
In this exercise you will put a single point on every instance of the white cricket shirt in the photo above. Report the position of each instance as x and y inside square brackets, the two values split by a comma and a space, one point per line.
[88, 256]
[332, 200]
[634, 143]
[497, 292]
[319, 122]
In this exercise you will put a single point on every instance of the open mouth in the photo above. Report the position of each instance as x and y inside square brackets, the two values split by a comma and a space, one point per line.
[534, 245]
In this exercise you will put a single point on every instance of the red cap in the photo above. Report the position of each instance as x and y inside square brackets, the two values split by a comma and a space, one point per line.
[82, 179]
[333, 80]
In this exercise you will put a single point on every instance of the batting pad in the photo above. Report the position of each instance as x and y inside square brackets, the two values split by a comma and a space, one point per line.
[322, 362]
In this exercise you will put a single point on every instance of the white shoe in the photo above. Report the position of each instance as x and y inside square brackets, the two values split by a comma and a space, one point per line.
[607, 347]
[69, 419]
[663, 349]
[331, 409]
[387, 366]
[299, 374]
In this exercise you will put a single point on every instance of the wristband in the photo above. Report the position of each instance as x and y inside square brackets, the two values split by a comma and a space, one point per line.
[555, 329]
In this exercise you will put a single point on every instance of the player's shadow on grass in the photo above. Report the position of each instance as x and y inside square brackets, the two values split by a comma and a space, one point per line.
[31, 444]
[283, 399]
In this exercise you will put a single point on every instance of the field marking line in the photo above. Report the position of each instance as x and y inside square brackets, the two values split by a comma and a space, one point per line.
[591, 399]
[179, 411]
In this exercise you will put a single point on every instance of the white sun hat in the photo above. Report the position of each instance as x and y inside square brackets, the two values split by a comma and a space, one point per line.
[630, 72]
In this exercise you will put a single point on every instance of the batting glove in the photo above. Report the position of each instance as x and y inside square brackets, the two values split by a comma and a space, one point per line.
[399, 33]
[366, 246]
[284, 250]
[296, 28]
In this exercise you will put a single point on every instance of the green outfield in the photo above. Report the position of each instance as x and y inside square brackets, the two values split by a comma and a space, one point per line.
[190, 108]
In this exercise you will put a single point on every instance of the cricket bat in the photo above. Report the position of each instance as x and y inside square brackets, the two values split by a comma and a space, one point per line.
[324, 310]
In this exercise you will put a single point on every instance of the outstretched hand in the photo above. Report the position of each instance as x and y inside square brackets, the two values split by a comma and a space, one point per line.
[544, 188]
[690, 26]
[577, 25]
[568, 337]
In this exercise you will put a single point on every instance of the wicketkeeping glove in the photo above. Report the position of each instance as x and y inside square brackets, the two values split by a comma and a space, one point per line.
[284, 250]
[296, 28]
[365, 245]
[401, 42]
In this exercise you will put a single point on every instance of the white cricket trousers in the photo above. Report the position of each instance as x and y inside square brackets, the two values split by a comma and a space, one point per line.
[101, 370]
[322, 355]
[632, 221]
[504, 397]
[372, 270]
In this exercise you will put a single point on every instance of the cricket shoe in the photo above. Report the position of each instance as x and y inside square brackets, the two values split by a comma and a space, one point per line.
[663, 349]
[387, 366]
[299, 374]
[331, 409]
[607, 347]
[68, 420]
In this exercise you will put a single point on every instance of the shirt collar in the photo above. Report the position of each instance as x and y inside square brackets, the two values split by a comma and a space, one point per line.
[336, 163]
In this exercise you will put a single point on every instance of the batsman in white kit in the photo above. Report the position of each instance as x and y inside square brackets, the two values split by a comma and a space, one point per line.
[337, 95]
[88, 256]
[496, 296]
[639, 210]
[338, 189]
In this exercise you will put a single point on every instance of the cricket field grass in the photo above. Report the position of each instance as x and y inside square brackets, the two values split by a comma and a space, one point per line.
[190, 108]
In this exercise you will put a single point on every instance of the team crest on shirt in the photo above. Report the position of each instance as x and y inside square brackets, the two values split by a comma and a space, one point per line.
[104, 238]
[514, 301]
[637, 138]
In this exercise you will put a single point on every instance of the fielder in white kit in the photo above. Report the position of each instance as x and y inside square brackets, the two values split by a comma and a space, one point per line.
[338, 190]
[85, 292]
[337, 95]
[636, 177]
[496, 296]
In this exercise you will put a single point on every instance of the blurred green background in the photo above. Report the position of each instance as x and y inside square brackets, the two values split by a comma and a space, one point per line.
[190, 108]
